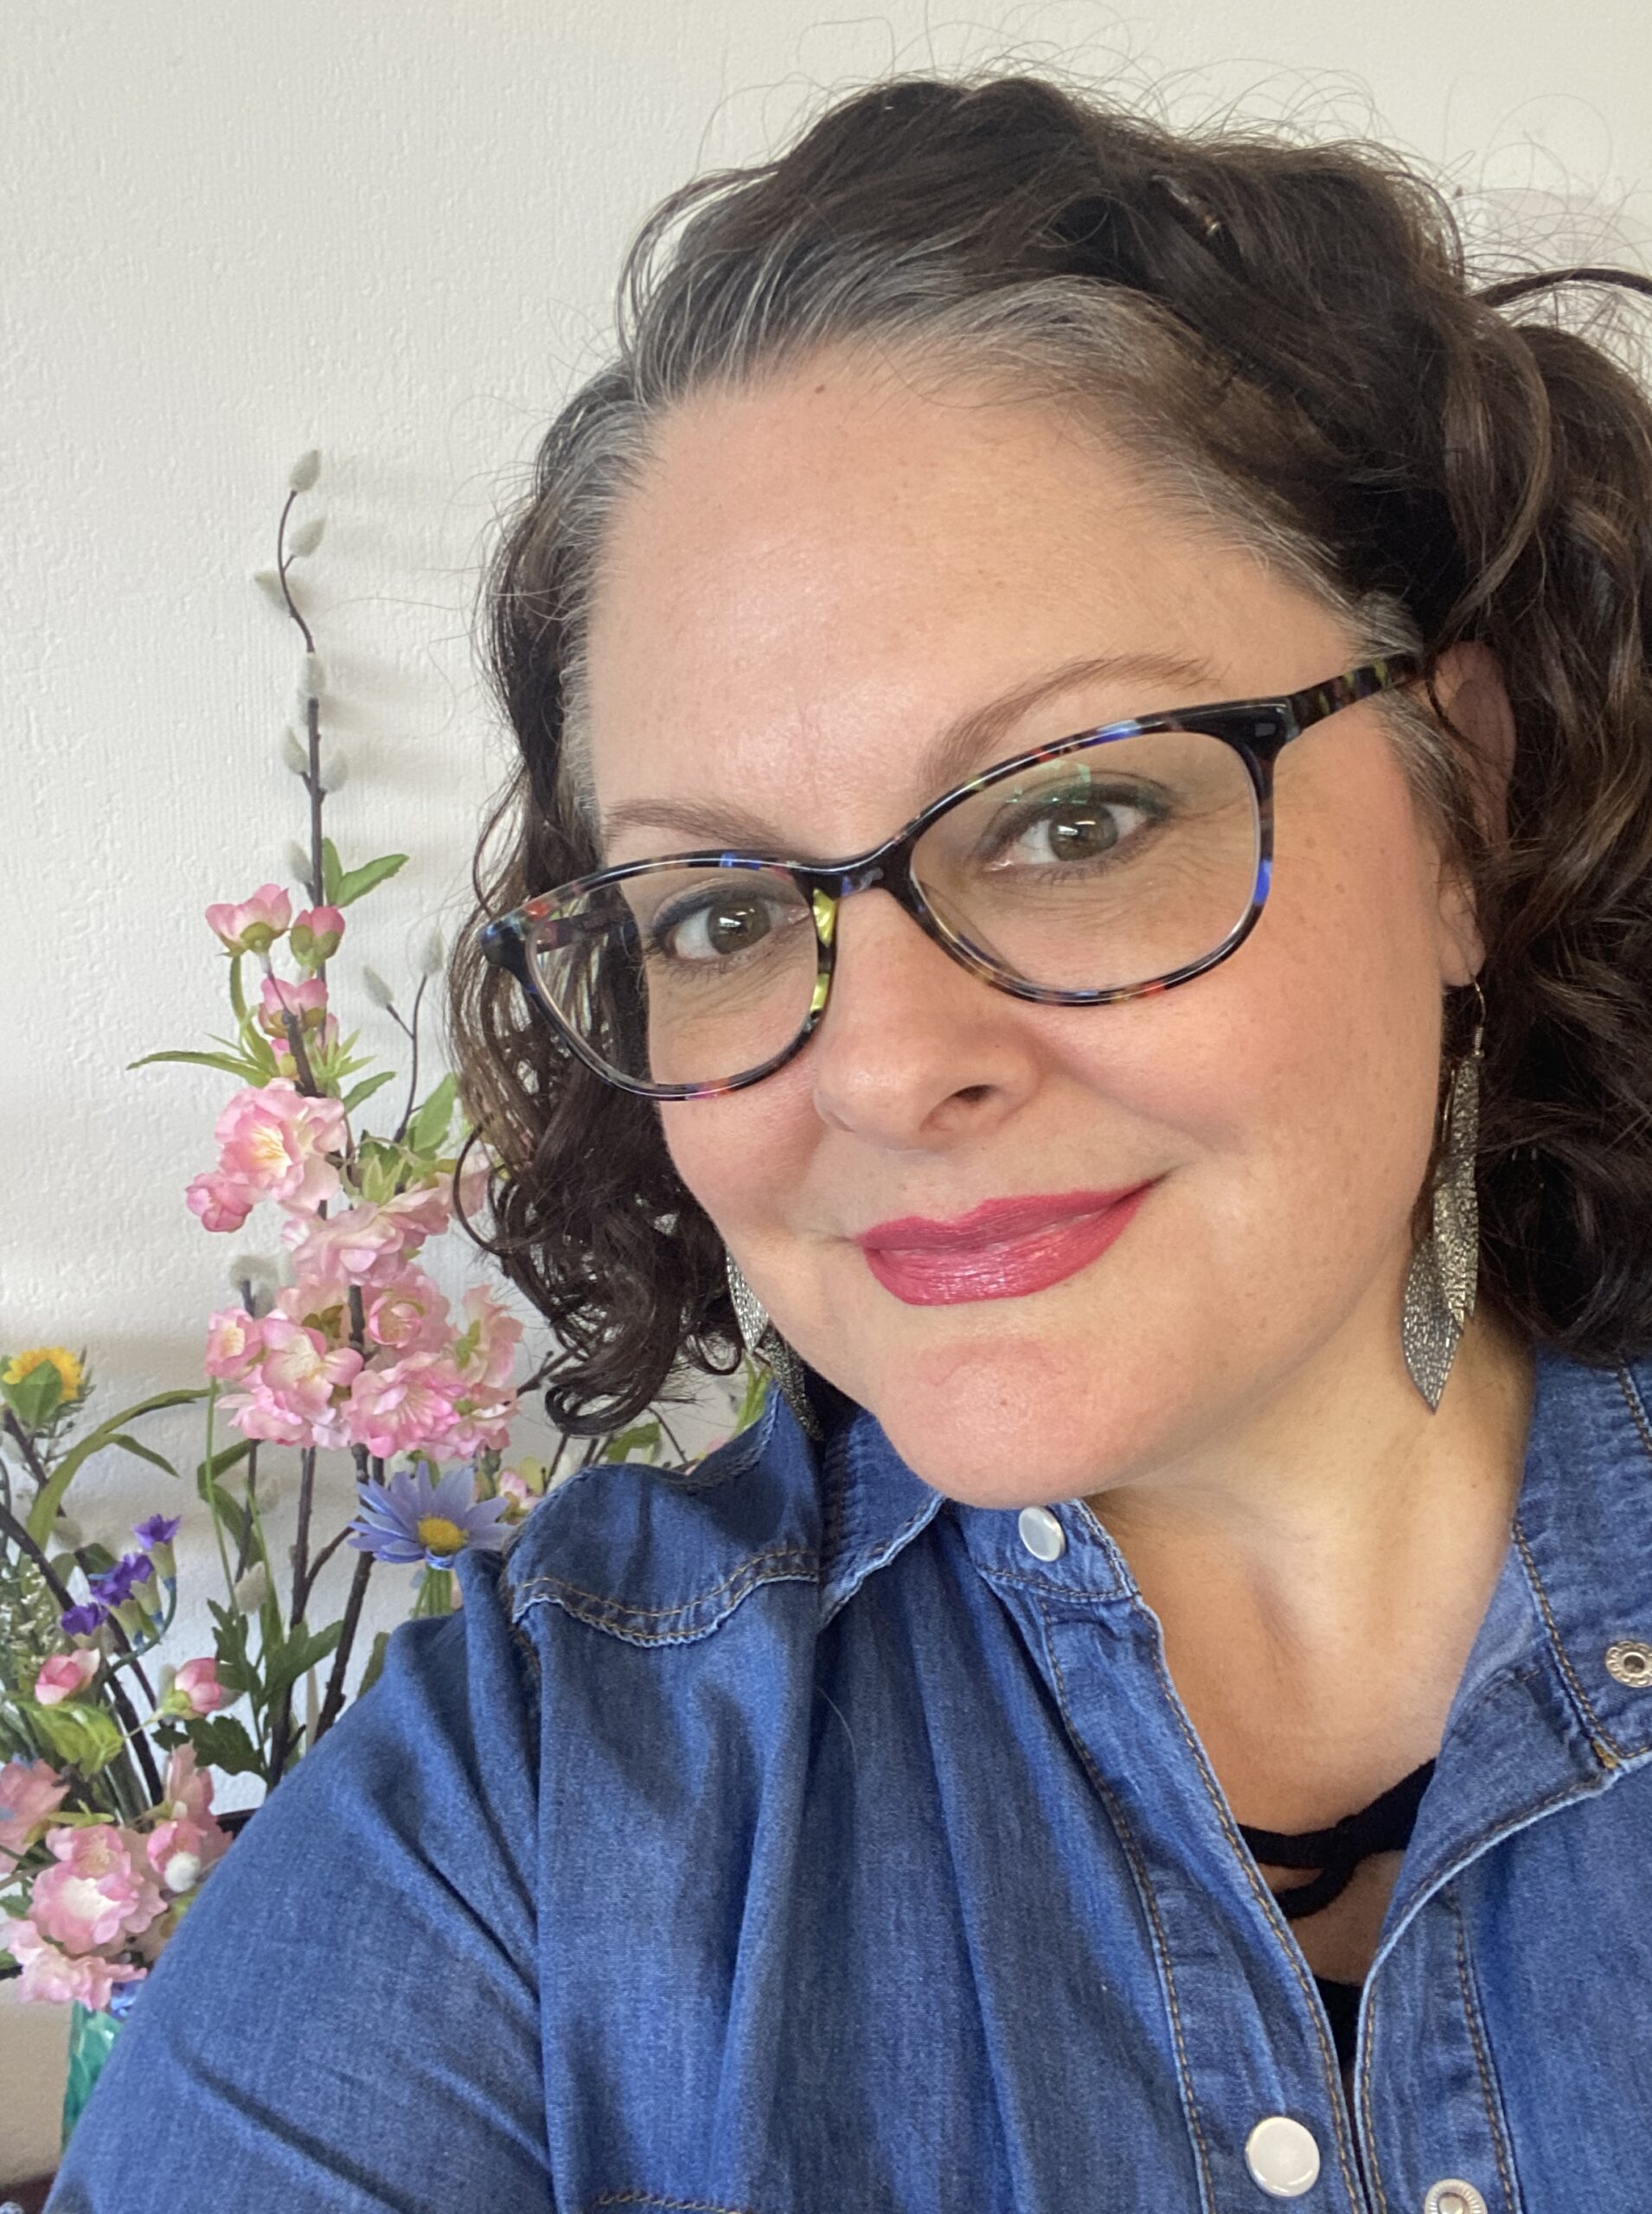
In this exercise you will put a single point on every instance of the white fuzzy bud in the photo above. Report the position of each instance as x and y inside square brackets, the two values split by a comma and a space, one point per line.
[253, 1589]
[269, 582]
[334, 769]
[270, 1487]
[298, 863]
[376, 988]
[182, 1872]
[261, 1276]
[295, 753]
[66, 1531]
[433, 955]
[305, 470]
[312, 677]
[307, 536]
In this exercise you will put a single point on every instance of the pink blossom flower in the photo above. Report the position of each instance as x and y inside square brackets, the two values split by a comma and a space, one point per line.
[396, 1405]
[274, 1142]
[482, 1422]
[187, 1840]
[101, 1890]
[30, 1793]
[423, 1212]
[362, 1245]
[316, 935]
[255, 925]
[408, 1312]
[196, 1689]
[223, 1202]
[50, 1973]
[307, 1000]
[234, 1343]
[66, 1676]
[485, 1355]
[296, 1392]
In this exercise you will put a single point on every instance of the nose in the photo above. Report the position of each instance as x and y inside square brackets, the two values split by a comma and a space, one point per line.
[913, 1050]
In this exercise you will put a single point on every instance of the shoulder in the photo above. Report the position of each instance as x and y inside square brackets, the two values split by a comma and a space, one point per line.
[659, 1556]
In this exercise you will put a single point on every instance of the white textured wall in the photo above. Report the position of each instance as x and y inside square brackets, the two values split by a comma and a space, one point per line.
[233, 232]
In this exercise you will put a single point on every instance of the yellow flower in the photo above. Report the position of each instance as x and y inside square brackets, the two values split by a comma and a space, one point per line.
[61, 1358]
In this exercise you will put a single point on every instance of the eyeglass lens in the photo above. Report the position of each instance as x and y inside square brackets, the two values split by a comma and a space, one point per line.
[1100, 869]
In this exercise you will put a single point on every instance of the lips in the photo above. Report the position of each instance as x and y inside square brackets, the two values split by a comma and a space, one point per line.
[1004, 1250]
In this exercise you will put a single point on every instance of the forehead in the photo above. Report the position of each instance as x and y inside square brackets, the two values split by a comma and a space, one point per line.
[814, 576]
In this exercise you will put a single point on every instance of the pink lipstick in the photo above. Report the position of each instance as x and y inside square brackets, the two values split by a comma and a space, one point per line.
[1002, 1250]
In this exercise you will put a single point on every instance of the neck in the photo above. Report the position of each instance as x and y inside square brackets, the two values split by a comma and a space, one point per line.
[1340, 1526]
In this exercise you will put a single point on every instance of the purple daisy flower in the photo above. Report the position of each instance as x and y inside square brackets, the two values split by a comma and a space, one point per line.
[411, 1519]
[159, 1529]
[80, 1622]
[115, 1585]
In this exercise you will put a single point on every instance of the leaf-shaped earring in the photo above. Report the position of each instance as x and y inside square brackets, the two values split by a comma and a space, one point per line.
[1444, 1277]
[764, 1342]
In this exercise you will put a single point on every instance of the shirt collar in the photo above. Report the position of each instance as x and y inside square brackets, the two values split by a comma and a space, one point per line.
[1576, 1586]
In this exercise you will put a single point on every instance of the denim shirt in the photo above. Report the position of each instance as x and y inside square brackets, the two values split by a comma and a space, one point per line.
[777, 1836]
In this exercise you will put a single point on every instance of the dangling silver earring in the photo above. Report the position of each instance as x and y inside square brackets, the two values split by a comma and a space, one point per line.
[1444, 1277]
[764, 1342]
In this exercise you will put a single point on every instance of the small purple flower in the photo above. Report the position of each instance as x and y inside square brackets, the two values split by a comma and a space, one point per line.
[80, 1622]
[159, 1529]
[115, 1585]
[411, 1519]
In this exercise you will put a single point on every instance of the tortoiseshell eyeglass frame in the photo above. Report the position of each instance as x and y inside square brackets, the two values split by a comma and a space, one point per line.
[1258, 730]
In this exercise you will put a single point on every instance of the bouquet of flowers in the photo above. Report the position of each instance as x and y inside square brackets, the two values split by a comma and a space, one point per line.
[107, 1778]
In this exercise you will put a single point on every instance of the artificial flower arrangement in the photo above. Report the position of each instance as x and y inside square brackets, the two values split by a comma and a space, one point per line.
[107, 1830]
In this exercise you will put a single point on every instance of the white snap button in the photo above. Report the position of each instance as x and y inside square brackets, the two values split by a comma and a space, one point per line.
[1452, 2196]
[1041, 1534]
[1282, 2156]
[1630, 1661]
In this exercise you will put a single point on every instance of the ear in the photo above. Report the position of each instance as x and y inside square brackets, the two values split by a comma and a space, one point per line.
[1469, 685]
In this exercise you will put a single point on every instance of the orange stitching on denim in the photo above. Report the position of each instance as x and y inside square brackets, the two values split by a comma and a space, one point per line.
[1374, 2178]
[1630, 1391]
[1151, 1904]
[1600, 1744]
[606, 1599]
[1273, 1913]
[1480, 2060]
[651, 2198]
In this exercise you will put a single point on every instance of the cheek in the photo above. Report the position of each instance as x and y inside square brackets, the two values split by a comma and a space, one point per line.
[740, 1152]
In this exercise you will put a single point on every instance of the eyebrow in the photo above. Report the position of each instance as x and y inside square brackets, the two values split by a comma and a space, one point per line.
[948, 758]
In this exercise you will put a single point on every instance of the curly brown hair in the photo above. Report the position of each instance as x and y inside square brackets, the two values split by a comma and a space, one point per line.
[1288, 337]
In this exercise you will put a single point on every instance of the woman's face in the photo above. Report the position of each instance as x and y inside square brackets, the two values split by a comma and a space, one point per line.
[812, 581]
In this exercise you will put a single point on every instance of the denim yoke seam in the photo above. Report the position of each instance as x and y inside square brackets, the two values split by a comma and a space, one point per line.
[741, 1580]
[1489, 2090]
[652, 2198]
[1144, 1887]
[1274, 1917]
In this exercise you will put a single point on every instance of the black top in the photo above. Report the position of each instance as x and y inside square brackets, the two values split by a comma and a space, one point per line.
[1383, 1827]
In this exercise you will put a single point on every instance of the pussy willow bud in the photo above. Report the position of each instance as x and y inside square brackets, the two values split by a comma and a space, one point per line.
[298, 862]
[269, 582]
[253, 1589]
[305, 470]
[66, 1531]
[376, 988]
[307, 536]
[334, 769]
[258, 1274]
[295, 753]
[312, 676]
[433, 955]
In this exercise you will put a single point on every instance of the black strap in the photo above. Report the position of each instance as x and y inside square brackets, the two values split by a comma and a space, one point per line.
[1383, 1827]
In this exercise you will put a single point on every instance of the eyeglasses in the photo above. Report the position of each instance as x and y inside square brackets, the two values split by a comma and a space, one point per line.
[1119, 861]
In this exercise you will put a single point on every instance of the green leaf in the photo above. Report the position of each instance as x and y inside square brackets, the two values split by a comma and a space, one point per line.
[331, 872]
[356, 881]
[374, 1663]
[131, 1445]
[305, 1649]
[227, 1459]
[50, 1495]
[241, 1068]
[360, 1092]
[79, 1733]
[221, 1742]
[642, 1437]
[237, 997]
[428, 1127]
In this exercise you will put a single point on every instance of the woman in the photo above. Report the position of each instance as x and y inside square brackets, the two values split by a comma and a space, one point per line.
[1157, 1710]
